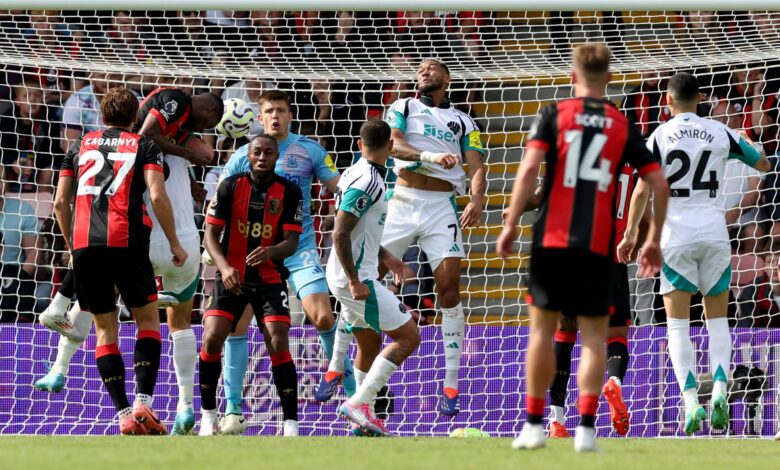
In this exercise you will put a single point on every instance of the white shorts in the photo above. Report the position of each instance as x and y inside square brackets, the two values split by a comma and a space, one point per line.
[704, 267]
[429, 218]
[180, 282]
[381, 311]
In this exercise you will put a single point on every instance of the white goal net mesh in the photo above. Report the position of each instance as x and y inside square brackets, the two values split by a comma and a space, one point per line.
[341, 68]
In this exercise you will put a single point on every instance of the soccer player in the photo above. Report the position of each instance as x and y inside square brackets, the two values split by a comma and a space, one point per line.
[432, 140]
[695, 241]
[353, 273]
[585, 142]
[617, 333]
[168, 115]
[301, 160]
[261, 214]
[109, 236]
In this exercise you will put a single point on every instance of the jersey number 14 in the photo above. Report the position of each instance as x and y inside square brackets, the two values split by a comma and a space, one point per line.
[586, 166]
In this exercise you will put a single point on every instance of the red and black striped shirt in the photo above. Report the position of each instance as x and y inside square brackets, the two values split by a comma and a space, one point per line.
[587, 142]
[171, 107]
[109, 166]
[256, 215]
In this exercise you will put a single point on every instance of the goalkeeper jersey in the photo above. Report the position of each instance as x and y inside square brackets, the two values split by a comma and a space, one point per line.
[693, 152]
[362, 194]
[435, 129]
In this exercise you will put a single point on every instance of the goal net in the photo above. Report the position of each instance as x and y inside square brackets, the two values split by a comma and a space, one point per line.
[341, 68]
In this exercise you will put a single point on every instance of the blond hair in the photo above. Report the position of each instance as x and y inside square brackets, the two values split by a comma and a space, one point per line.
[591, 62]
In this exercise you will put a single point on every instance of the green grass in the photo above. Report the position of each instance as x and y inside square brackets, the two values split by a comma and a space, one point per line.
[228, 453]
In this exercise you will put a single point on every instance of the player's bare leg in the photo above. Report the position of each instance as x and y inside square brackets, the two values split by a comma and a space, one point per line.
[590, 375]
[539, 371]
[565, 338]
[447, 279]
[358, 408]
[185, 353]
[678, 310]
[276, 335]
[215, 331]
[146, 364]
[617, 364]
[715, 311]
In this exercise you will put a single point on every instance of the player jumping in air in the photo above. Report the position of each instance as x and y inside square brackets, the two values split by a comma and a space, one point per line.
[109, 236]
[353, 271]
[695, 241]
[261, 214]
[585, 142]
[432, 141]
[170, 112]
[301, 160]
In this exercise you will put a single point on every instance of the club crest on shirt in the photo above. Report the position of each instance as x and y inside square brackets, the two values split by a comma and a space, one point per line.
[169, 109]
[274, 206]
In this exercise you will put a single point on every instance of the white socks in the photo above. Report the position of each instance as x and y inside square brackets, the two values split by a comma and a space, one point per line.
[59, 304]
[185, 357]
[66, 348]
[340, 346]
[683, 359]
[452, 327]
[720, 353]
[145, 399]
[376, 378]
[360, 377]
[557, 414]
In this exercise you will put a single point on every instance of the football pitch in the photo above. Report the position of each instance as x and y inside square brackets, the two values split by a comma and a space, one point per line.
[265, 453]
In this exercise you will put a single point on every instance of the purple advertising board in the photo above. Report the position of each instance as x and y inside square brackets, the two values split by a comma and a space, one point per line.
[491, 385]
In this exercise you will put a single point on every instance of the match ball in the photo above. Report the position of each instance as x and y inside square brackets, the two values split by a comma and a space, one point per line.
[237, 120]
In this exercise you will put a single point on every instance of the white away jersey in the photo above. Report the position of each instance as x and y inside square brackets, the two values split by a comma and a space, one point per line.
[177, 185]
[362, 194]
[693, 153]
[432, 129]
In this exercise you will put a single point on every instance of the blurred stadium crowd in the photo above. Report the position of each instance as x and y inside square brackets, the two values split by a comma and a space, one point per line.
[44, 109]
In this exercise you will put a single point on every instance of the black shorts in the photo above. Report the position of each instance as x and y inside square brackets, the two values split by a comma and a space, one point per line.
[269, 303]
[621, 315]
[583, 280]
[98, 270]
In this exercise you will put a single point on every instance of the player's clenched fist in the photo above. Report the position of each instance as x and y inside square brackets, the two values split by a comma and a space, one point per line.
[359, 290]
[446, 160]
[505, 241]
[179, 255]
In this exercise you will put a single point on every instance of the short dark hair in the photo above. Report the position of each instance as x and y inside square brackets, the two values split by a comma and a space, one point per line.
[684, 87]
[274, 95]
[374, 134]
[264, 136]
[119, 107]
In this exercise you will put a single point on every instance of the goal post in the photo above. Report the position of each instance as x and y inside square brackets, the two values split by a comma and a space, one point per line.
[341, 68]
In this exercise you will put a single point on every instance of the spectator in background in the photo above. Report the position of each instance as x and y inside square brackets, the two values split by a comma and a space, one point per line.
[249, 91]
[419, 35]
[81, 113]
[49, 34]
[125, 37]
[758, 297]
[645, 105]
[28, 144]
[225, 149]
[19, 233]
